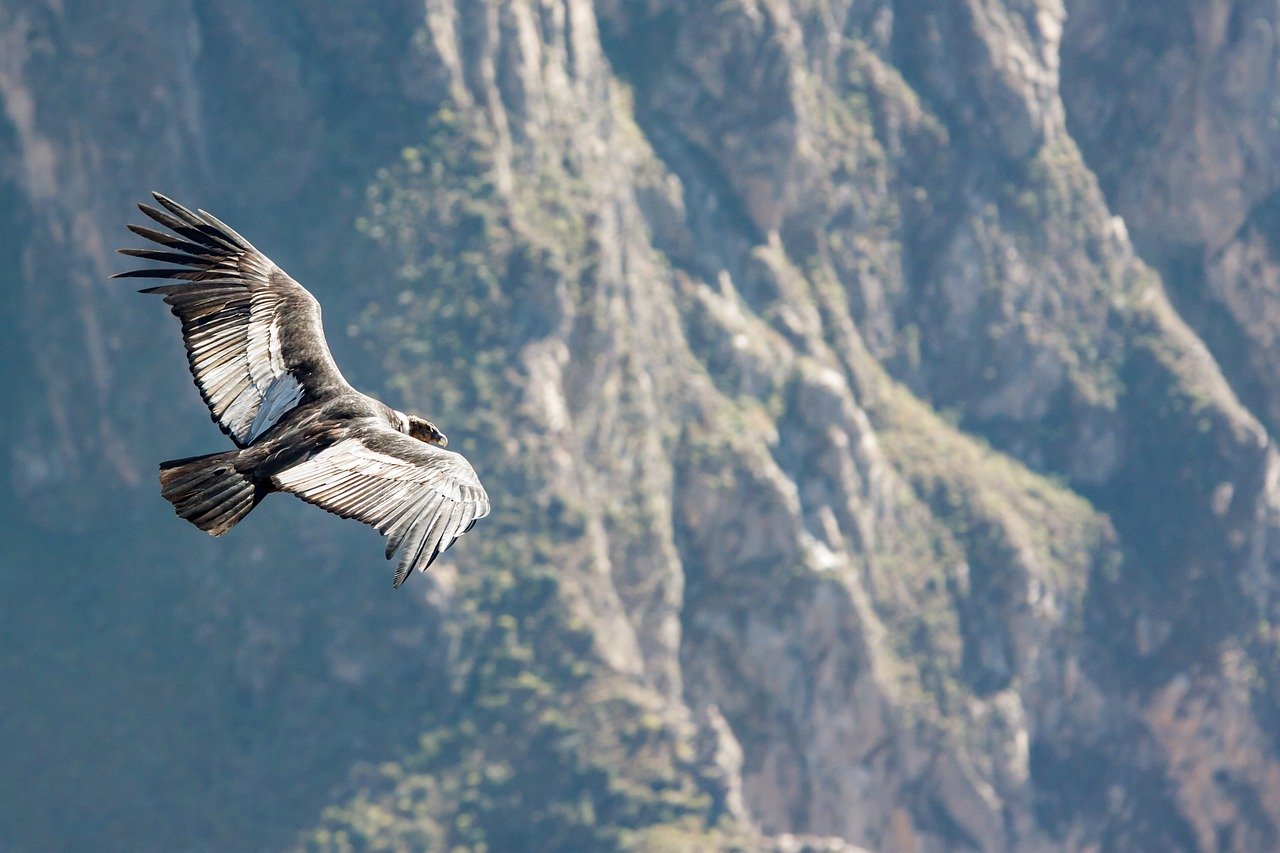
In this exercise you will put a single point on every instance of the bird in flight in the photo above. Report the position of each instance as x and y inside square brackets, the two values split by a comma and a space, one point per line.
[257, 351]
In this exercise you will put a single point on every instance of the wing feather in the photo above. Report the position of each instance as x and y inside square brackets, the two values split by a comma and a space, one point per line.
[169, 240]
[253, 336]
[460, 525]
[417, 537]
[421, 497]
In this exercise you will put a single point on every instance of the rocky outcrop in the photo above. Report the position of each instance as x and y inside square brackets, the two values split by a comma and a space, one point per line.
[856, 482]
[1177, 123]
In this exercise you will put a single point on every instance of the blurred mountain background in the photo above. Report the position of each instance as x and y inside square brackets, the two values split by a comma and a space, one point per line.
[876, 398]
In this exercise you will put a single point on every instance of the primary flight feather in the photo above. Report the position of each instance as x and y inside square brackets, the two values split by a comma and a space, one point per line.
[258, 354]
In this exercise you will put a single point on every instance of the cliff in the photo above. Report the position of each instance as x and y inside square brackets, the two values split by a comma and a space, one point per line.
[874, 397]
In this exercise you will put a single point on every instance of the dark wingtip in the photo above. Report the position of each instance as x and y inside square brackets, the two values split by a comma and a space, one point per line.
[144, 207]
[178, 273]
[402, 575]
[180, 210]
[141, 274]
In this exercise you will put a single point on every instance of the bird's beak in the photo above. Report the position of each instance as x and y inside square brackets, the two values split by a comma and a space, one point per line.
[444, 440]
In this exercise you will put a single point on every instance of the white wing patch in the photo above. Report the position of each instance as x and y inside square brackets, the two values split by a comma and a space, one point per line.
[242, 318]
[422, 500]
[281, 397]
[237, 360]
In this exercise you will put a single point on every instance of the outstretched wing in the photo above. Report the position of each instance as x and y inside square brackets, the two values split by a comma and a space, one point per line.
[420, 496]
[252, 334]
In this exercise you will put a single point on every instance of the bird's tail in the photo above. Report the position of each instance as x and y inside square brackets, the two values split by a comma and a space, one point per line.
[209, 491]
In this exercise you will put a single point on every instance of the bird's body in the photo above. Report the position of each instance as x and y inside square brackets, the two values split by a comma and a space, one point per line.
[257, 351]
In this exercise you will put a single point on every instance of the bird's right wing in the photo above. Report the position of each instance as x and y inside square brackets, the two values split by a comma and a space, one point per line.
[253, 335]
[421, 496]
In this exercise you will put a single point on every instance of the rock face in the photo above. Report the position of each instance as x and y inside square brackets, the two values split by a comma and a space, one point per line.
[857, 481]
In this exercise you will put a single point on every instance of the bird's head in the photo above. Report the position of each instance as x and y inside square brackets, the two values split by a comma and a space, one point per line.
[424, 430]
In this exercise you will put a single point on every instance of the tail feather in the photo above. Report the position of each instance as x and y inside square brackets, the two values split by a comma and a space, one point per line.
[209, 491]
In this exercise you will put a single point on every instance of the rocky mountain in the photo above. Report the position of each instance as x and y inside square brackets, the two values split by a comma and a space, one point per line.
[875, 397]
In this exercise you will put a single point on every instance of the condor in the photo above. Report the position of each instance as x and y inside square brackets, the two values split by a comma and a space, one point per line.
[259, 357]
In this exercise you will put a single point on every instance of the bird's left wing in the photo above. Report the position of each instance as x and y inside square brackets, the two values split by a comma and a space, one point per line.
[420, 496]
[253, 335]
